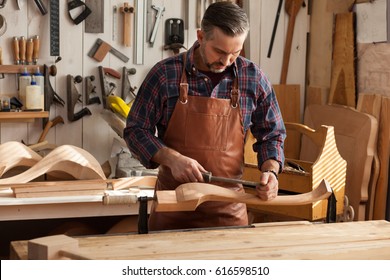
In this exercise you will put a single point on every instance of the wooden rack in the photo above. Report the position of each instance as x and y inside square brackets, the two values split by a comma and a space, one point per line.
[22, 116]
[16, 69]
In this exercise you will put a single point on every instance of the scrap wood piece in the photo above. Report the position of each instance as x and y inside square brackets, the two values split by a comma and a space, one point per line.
[187, 197]
[79, 187]
[54, 247]
[14, 154]
[67, 159]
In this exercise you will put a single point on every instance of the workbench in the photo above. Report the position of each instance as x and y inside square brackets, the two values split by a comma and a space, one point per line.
[284, 240]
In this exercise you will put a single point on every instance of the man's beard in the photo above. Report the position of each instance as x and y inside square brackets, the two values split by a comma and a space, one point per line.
[211, 66]
[216, 70]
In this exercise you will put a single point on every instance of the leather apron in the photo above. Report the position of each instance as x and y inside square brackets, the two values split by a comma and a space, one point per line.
[209, 130]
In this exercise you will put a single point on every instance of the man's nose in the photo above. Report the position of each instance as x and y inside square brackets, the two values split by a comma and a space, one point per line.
[226, 60]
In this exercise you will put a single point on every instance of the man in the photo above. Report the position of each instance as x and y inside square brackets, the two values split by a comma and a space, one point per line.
[202, 103]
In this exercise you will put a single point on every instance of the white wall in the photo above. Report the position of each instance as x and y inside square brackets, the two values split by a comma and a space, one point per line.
[91, 132]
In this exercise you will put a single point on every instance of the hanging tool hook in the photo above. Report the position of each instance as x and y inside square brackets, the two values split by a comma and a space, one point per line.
[2, 4]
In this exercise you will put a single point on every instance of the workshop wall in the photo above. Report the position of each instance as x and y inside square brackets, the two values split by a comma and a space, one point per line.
[91, 132]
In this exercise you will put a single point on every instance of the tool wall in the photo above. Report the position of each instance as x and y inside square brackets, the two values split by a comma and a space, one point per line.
[118, 35]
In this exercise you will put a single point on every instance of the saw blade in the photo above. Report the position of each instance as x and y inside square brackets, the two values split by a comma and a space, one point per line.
[95, 22]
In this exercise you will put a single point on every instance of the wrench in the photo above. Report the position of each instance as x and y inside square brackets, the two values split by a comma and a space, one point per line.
[159, 14]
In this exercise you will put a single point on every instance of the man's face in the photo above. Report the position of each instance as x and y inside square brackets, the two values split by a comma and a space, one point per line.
[219, 51]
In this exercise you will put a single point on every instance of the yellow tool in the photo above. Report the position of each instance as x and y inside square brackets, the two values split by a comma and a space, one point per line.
[118, 105]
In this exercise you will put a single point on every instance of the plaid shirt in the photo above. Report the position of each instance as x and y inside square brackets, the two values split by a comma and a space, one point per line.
[159, 92]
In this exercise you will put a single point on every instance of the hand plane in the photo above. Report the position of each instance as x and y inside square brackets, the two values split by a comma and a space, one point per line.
[73, 97]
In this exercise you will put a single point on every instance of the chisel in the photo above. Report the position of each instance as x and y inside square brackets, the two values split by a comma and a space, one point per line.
[36, 48]
[22, 50]
[29, 51]
[207, 177]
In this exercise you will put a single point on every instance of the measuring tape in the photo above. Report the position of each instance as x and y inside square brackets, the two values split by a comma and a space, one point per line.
[54, 28]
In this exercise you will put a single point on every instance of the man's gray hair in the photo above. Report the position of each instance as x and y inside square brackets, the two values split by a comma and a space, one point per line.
[227, 16]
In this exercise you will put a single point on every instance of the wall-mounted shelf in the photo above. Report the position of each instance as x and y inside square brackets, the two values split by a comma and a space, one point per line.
[23, 116]
[16, 69]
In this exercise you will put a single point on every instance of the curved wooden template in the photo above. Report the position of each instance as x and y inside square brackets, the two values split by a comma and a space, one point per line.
[66, 158]
[188, 197]
[14, 154]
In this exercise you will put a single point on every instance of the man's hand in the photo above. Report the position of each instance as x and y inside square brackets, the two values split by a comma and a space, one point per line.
[269, 183]
[184, 169]
[268, 188]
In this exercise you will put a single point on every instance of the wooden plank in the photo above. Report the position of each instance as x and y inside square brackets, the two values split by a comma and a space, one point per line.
[316, 95]
[371, 104]
[79, 187]
[383, 154]
[342, 87]
[357, 240]
[288, 97]
[320, 45]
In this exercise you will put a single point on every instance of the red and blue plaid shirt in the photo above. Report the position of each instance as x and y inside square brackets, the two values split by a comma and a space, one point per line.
[159, 92]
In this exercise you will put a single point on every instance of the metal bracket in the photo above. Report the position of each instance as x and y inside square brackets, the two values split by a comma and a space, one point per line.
[143, 215]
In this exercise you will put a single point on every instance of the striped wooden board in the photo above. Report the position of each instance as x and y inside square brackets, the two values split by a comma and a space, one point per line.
[290, 240]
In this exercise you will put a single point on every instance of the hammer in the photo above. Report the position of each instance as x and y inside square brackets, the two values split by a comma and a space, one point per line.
[49, 125]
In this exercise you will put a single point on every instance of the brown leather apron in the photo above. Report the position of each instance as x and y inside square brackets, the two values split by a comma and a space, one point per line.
[209, 130]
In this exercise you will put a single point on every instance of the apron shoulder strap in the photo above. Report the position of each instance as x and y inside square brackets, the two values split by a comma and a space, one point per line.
[183, 97]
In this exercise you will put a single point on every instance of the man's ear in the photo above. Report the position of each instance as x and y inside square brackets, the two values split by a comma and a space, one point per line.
[200, 35]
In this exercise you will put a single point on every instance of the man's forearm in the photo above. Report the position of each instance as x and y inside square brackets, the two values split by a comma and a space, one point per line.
[165, 156]
[271, 164]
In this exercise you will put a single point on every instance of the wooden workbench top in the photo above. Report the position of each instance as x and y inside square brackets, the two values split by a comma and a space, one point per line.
[290, 240]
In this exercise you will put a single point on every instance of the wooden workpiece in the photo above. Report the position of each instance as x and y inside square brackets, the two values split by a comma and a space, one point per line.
[66, 159]
[15, 154]
[288, 240]
[126, 10]
[187, 197]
